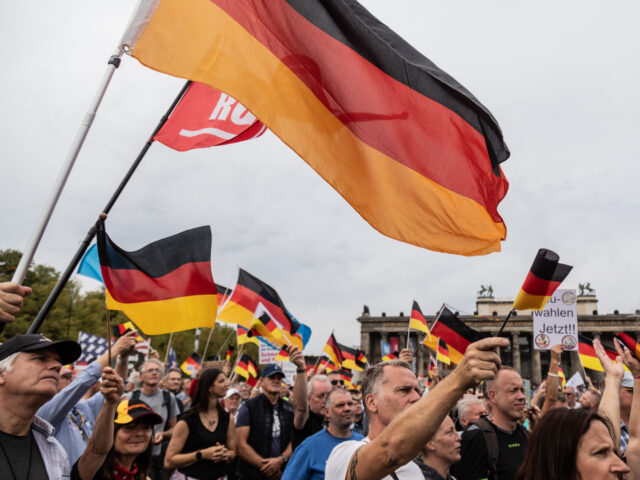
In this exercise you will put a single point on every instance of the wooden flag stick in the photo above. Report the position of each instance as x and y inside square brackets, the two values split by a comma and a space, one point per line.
[236, 364]
[108, 333]
[224, 343]
[166, 354]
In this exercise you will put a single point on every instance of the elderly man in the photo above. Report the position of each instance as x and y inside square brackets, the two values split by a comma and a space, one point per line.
[72, 418]
[231, 401]
[470, 409]
[318, 387]
[309, 459]
[442, 451]
[161, 402]
[495, 447]
[570, 394]
[400, 422]
[29, 375]
[173, 383]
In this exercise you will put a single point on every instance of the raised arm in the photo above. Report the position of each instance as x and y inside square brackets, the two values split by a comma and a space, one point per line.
[101, 439]
[408, 433]
[553, 380]
[300, 394]
[633, 448]
[610, 403]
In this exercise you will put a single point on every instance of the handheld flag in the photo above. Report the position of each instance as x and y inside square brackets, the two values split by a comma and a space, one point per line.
[206, 117]
[246, 367]
[432, 365]
[543, 279]
[246, 336]
[451, 330]
[429, 150]
[391, 356]
[361, 360]
[90, 264]
[417, 321]
[92, 346]
[191, 364]
[563, 379]
[164, 287]
[349, 357]
[332, 349]
[230, 350]
[322, 366]
[630, 343]
[122, 328]
[266, 327]
[223, 294]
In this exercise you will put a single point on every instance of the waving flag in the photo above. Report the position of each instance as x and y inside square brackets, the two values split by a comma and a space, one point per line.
[191, 364]
[630, 343]
[391, 356]
[247, 369]
[230, 350]
[451, 330]
[246, 336]
[412, 150]
[173, 359]
[417, 320]
[223, 294]
[543, 279]
[206, 117]
[164, 287]
[90, 264]
[332, 349]
[92, 346]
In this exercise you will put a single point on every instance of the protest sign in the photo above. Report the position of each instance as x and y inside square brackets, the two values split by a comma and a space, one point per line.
[557, 322]
[267, 354]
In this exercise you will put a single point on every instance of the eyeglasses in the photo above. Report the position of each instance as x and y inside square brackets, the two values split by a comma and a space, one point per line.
[152, 370]
[337, 382]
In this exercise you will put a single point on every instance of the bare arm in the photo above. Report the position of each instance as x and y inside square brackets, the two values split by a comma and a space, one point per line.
[102, 436]
[551, 396]
[232, 448]
[245, 451]
[300, 394]
[408, 433]
[633, 448]
[610, 403]
[173, 458]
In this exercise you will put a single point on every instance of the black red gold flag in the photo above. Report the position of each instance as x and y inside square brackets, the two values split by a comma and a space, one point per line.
[543, 279]
[451, 330]
[191, 364]
[361, 359]
[332, 349]
[164, 287]
[349, 357]
[628, 341]
[417, 320]
[391, 356]
[246, 367]
[230, 350]
[223, 294]
[412, 150]
[246, 336]
[122, 328]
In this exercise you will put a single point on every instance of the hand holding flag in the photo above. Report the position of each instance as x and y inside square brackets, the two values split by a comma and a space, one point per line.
[545, 276]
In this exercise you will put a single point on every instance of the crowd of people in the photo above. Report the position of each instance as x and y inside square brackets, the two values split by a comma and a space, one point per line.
[107, 422]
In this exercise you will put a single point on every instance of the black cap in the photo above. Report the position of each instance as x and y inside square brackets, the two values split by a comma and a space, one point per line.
[272, 369]
[128, 412]
[68, 350]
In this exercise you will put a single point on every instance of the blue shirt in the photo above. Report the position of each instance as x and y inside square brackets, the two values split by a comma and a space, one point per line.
[71, 418]
[310, 458]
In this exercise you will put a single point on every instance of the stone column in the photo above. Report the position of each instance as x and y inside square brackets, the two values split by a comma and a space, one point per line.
[420, 359]
[515, 350]
[402, 341]
[365, 343]
[536, 373]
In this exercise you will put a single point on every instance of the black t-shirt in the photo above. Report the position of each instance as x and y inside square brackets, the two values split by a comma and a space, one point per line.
[20, 458]
[475, 464]
[311, 426]
[200, 438]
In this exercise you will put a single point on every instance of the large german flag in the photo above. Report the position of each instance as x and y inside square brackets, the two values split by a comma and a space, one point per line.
[164, 287]
[543, 279]
[417, 321]
[588, 356]
[451, 330]
[251, 297]
[412, 150]
[267, 328]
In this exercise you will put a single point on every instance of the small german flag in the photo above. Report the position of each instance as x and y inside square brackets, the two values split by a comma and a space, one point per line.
[443, 353]
[230, 350]
[361, 360]
[322, 366]
[543, 279]
[432, 365]
[332, 349]
[164, 287]
[630, 343]
[246, 336]
[417, 321]
[349, 357]
[391, 356]
[122, 328]
[191, 364]
[347, 377]
[283, 355]
[246, 367]
[266, 327]
[451, 330]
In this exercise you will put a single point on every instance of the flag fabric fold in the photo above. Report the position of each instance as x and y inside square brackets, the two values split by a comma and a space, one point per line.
[543, 279]
[191, 364]
[417, 320]
[453, 331]
[332, 349]
[164, 287]
[412, 150]
[627, 341]
[247, 368]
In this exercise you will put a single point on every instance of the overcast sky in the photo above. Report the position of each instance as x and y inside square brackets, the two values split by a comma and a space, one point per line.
[560, 77]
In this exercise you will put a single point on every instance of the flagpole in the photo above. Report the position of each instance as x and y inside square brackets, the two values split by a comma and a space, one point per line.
[206, 345]
[237, 361]
[223, 343]
[505, 322]
[166, 354]
[64, 277]
[409, 331]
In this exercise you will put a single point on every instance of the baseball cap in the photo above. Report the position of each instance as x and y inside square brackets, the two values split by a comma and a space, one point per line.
[627, 380]
[68, 350]
[272, 369]
[231, 391]
[128, 412]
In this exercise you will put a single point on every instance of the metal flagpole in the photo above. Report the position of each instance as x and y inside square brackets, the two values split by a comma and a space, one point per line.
[64, 277]
[61, 180]
[409, 331]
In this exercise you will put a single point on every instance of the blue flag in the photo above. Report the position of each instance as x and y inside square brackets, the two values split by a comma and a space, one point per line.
[173, 360]
[90, 264]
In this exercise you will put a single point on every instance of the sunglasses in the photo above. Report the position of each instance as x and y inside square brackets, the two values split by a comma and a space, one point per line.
[337, 382]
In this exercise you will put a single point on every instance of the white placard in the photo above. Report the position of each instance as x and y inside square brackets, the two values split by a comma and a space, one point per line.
[557, 322]
[267, 354]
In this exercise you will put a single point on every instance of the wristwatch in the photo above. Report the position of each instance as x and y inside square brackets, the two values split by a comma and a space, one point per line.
[199, 455]
[284, 458]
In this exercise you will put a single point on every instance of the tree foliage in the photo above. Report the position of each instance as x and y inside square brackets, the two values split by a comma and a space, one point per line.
[76, 311]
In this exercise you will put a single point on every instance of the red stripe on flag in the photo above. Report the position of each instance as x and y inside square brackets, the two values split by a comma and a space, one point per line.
[534, 285]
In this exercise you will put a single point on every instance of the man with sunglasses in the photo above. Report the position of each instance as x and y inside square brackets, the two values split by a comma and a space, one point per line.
[570, 393]
[336, 380]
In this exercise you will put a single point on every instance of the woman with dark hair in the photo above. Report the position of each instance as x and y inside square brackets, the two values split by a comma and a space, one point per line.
[203, 443]
[572, 444]
[120, 448]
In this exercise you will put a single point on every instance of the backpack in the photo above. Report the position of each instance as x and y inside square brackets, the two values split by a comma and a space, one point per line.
[166, 402]
[491, 440]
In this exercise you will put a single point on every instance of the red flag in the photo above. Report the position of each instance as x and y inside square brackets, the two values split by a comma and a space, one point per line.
[206, 117]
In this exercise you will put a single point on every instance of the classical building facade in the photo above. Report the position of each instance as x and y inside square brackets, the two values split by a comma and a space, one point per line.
[489, 315]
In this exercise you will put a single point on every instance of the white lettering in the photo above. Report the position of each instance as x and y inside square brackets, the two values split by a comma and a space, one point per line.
[238, 119]
[222, 109]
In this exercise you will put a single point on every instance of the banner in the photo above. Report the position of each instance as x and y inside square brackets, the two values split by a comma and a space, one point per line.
[267, 354]
[557, 322]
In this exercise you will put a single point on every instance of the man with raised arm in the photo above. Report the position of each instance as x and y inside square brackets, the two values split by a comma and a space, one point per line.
[401, 422]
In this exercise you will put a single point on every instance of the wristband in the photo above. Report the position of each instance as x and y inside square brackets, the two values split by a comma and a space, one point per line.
[553, 375]
[301, 370]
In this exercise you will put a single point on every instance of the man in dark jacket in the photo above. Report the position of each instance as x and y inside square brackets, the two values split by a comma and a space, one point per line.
[264, 426]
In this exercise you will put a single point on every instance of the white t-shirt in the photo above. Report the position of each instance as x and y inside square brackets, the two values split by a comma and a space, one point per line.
[341, 457]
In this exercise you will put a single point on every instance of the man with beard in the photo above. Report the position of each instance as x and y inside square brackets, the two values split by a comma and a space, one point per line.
[309, 459]
[494, 448]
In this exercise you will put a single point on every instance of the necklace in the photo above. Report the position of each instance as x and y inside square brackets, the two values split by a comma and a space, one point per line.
[13, 473]
[211, 422]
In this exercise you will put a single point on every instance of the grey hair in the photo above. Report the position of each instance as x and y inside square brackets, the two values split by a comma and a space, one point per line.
[466, 403]
[328, 401]
[316, 379]
[153, 360]
[373, 376]
[173, 369]
[7, 363]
